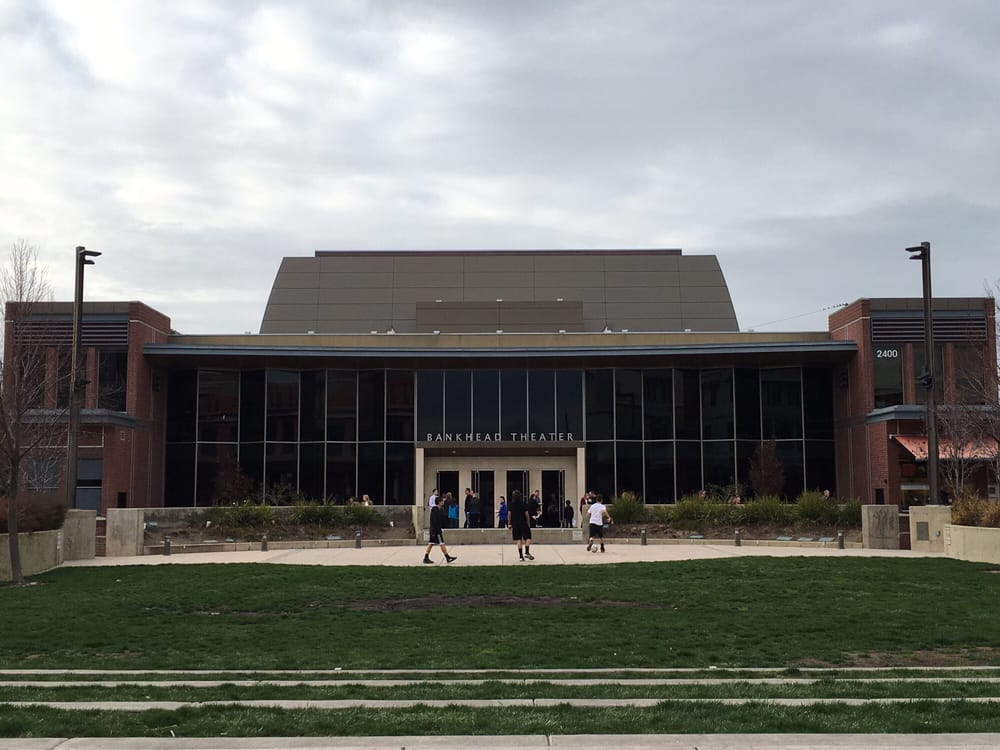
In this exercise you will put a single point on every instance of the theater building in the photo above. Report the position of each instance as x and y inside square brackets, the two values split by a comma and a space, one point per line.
[392, 373]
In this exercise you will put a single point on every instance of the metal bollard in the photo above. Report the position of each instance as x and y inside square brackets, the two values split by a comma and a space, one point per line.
[357, 538]
[166, 545]
[263, 543]
[840, 540]
[738, 538]
[642, 537]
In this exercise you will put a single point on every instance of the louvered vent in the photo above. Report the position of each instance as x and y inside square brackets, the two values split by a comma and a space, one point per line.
[964, 328]
[59, 332]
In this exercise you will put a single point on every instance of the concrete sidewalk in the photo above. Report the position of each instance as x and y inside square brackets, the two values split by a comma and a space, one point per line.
[505, 554]
[532, 742]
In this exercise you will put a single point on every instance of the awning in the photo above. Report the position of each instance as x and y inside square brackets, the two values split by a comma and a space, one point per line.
[973, 450]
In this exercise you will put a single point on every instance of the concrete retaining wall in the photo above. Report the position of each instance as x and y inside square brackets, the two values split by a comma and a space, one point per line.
[927, 524]
[880, 527]
[126, 529]
[972, 543]
[40, 551]
[80, 535]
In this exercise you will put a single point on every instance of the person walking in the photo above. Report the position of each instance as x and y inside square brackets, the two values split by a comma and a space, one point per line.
[520, 525]
[436, 536]
[598, 517]
[502, 513]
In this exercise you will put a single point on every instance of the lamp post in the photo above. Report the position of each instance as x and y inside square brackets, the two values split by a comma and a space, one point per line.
[77, 384]
[928, 378]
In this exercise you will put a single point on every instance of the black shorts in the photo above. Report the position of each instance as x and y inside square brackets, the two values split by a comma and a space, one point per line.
[436, 538]
[597, 530]
[520, 531]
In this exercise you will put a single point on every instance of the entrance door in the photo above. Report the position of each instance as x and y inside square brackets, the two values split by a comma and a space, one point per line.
[517, 479]
[482, 482]
[553, 496]
[447, 481]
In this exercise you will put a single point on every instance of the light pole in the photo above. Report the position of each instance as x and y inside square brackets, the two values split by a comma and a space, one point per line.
[928, 378]
[77, 384]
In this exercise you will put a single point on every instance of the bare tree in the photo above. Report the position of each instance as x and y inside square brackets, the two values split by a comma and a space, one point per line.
[27, 428]
[961, 427]
[767, 474]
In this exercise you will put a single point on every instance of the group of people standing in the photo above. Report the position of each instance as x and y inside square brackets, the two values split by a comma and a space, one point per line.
[519, 516]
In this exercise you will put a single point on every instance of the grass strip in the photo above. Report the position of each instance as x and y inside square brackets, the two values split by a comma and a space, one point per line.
[668, 717]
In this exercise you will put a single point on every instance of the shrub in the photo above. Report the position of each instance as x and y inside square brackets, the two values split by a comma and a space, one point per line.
[769, 510]
[971, 510]
[813, 508]
[628, 508]
[35, 512]
[244, 515]
[849, 514]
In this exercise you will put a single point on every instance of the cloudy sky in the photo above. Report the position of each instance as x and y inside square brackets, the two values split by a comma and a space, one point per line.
[196, 143]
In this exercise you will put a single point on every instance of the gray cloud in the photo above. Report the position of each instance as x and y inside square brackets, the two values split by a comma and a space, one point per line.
[196, 144]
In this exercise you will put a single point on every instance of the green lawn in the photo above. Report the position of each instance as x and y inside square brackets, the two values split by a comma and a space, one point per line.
[722, 617]
[728, 613]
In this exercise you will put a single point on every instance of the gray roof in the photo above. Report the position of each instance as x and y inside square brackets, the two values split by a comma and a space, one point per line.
[499, 290]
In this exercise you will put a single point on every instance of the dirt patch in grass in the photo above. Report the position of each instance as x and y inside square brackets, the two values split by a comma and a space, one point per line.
[967, 657]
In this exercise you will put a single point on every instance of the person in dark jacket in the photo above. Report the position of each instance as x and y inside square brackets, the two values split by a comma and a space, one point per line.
[520, 525]
[437, 535]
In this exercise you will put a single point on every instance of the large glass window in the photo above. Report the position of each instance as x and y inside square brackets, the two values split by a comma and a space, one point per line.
[281, 469]
[720, 460]
[340, 472]
[569, 403]
[628, 463]
[178, 474]
[513, 402]
[659, 472]
[541, 401]
[282, 405]
[182, 398]
[399, 481]
[112, 380]
[887, 367]
[252, 406]
[210, 456]
[687, 404]
[458, 401]
[790, 453]
[688, 464]
[817, 404]
[341, 405]
[747, 387]
[371, 405]
[717, 404]
[430, 404]
[658, 406]
[600, 396]
[312, 471]
[252, 463]
[600, 467]
[371, 471]
[399, 422]
[781, 403]
[486, 402]
[628, 404]
[218, 406]
[821, 466]
[313, 387]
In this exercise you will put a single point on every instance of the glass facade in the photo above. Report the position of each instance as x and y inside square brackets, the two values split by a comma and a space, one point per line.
[659, 432]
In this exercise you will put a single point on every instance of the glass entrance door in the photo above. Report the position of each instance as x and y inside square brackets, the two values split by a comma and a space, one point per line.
[553, 497]
[517, 479]
[447, 481]
[482, 483]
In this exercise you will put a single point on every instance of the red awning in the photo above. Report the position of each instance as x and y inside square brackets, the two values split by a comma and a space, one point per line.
[974, 450]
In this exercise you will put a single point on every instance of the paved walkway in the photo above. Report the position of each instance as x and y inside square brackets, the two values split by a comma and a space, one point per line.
[503, 554]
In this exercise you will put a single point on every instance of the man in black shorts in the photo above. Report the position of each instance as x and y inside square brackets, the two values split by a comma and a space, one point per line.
[436, 535]
[520, 524]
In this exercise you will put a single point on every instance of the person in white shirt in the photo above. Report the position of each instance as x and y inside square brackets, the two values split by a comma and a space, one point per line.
[598, 517]
[433, 499]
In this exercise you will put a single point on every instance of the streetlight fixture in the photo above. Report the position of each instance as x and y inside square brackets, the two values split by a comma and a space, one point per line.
[77, 383]
[928, 378]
